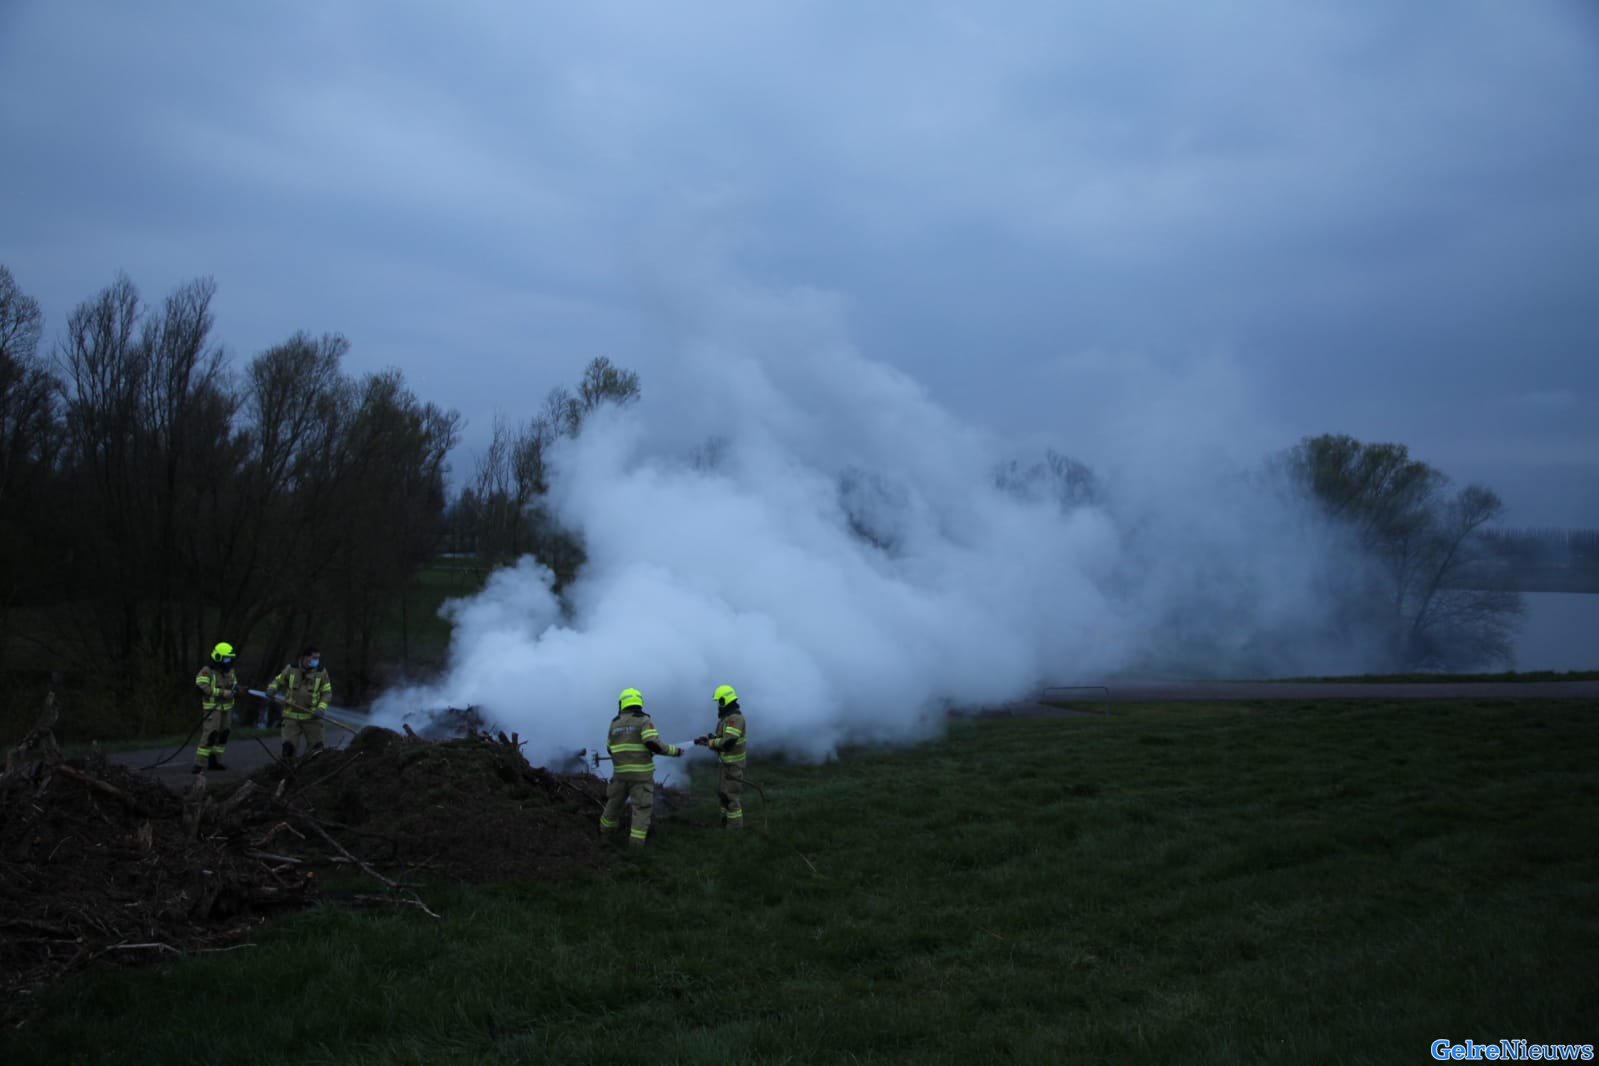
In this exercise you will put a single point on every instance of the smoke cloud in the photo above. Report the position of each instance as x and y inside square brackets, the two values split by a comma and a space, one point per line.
[785, 515]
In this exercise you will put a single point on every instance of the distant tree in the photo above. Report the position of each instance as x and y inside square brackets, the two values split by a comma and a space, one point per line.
[154, 501]
[1067, 481]
[297, 404]
[876, 509]
[509, 476]
[106, 372]
[604, 383]
[388, 521]
[21, 320]
[1418, 537]
[151, 447]
[30, 442]
[506, 502]
[28, 436]
[1548, 559]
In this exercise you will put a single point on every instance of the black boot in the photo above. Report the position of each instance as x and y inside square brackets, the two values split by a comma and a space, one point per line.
[213, 763]
[288, 750]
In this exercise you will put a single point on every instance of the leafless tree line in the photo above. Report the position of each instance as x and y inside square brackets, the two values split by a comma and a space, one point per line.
[502, 514]
[153, 499]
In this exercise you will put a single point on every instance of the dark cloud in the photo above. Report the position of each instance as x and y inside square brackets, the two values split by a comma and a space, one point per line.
[1382, 214]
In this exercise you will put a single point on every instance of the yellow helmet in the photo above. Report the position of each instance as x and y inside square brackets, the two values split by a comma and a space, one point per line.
[223, 652]
[630, 697]
[724, 695]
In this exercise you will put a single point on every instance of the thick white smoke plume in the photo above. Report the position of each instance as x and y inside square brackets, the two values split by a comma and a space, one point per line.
[786, 516]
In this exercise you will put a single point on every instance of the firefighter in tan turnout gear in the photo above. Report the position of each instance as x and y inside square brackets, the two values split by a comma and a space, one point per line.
[633, 743]
[306, 691]
[218, 686]
[728, 743]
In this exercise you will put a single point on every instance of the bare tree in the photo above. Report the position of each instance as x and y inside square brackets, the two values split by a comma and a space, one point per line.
[28, 438]
[513, 474]
[105, 371]
[604, 383]
[29, 447]
[175, 504]
[1452, 626]
[1069, 482]
[21, 321]
[389, 514]
[1420, 541]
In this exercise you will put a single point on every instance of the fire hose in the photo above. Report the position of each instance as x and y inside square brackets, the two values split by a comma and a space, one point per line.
[277, 697]
[182, 746]
[184, 743]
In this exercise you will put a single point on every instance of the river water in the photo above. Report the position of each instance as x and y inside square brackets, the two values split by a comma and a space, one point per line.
[1560, 631]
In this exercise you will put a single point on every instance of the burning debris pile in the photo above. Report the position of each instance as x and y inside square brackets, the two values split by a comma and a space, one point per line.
[100, 863]
[467, 809]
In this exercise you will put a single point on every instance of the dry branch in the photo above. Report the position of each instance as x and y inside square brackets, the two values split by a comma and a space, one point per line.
[316, 828]
[95, 783]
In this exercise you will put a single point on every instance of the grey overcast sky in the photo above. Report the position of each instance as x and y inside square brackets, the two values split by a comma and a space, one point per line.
[1382, 217]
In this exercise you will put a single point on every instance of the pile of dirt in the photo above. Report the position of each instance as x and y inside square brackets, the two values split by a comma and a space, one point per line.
[469, 809]
[100, 863]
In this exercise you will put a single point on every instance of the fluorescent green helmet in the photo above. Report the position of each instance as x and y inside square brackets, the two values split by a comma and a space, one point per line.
[630, 697]
[222, 653]
[724, 695]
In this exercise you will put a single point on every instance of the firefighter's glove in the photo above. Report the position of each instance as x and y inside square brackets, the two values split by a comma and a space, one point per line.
[702, 741]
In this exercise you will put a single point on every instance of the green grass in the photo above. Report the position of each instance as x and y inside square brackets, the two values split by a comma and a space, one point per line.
[423, 634]
[1199, 884]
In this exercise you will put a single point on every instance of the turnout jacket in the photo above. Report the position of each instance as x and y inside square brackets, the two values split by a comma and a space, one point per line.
[216, 687]
[728, 740]
[307, 691]
[633, 743]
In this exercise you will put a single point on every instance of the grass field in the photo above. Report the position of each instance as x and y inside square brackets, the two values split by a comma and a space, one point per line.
[424, 636]
[1342, 882]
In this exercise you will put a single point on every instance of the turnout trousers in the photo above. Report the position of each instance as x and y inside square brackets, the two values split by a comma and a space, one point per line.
[729, 785]
[641, 795]
[309, 728]
[213, 734]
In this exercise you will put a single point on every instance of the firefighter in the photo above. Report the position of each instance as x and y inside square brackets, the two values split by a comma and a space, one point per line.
[728, 743]
[306, 691]
[633, 743]
[218, 686]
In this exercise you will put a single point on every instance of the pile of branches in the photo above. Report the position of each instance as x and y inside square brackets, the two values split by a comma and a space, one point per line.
[98, 863]
[101, 864]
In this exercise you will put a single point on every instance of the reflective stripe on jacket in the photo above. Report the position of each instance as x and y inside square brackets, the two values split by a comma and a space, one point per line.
[728, 741]
[216, 688]
[307, 691]
[633, 742]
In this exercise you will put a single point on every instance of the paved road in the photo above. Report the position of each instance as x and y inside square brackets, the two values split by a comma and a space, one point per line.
[243, 757]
